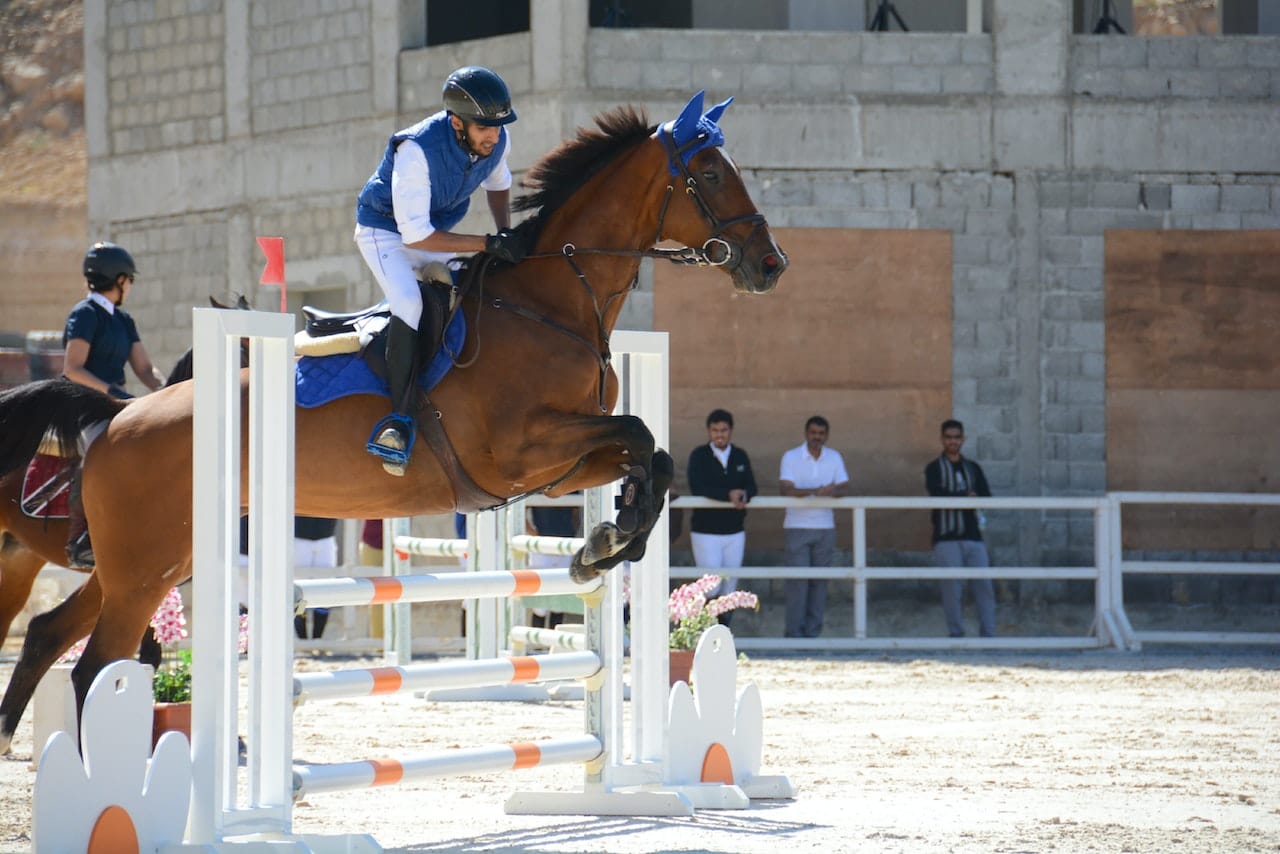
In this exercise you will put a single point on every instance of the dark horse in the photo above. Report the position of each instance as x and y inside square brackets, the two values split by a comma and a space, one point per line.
[528, 413]
[28, 543]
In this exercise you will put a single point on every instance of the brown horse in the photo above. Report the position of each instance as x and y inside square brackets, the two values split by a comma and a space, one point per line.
[526, 410]
[27, 543]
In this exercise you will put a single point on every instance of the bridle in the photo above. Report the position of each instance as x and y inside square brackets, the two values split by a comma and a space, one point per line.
[716, 251]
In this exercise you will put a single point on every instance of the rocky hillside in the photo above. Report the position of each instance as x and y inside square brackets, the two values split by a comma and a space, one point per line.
[43, 220]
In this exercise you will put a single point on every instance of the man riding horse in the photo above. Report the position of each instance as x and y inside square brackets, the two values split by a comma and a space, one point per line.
[419, 192]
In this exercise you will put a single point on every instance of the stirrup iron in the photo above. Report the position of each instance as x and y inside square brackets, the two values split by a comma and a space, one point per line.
[394, 460]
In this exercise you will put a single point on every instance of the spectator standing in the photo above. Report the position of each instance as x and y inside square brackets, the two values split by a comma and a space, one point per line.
[811, 469]
[315, 543]
[720, 470]
[957, 534]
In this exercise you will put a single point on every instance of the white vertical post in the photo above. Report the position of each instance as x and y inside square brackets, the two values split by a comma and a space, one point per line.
[973, 16]
[486, 613]
[1102, 598]
[399, 627]
[860, 564]
[388, 608]
[645, 394]
[216, 470]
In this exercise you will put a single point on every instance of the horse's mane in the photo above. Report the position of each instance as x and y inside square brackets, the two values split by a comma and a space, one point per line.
[554, 178]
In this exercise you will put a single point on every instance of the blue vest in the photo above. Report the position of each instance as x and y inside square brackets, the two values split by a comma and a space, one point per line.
[453, 176]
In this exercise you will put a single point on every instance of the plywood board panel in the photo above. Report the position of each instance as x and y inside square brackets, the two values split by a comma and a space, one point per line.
[857, 309]
[1193, 309]
[858, 331]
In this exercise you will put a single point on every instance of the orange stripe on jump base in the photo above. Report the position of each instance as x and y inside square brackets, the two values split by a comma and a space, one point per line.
[525, 669]
[527, 582]
[386, 772]
[386, 590]
[717, 767]
[527, 755]
[386, 680]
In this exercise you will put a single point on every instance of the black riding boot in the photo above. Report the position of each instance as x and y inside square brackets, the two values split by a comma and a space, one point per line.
[395, 438]
[79, 549]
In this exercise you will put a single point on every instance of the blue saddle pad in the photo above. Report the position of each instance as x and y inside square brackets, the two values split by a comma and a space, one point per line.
[322, 379]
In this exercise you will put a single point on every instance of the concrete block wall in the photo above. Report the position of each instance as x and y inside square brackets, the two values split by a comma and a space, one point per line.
[806, 66]
[184, 262]
[164, 75]
[311, 63]
[1229, 67]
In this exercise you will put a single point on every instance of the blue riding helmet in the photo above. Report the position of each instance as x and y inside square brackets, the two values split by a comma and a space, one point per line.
[476, 94]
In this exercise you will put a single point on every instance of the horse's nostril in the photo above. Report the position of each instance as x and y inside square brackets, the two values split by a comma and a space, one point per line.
[770, 262]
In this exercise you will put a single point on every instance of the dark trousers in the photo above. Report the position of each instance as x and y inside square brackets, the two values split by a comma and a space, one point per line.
[807, 597]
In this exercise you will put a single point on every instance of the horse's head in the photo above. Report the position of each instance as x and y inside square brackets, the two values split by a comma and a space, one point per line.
[709, 206]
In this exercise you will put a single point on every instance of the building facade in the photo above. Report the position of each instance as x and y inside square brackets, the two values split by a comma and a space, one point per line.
[1068, 241]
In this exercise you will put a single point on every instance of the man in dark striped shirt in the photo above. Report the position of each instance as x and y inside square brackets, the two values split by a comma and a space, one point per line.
[957, 534]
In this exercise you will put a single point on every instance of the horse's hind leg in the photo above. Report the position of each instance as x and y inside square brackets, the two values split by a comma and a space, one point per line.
[121, 623]
[19, 567]
[48, 636]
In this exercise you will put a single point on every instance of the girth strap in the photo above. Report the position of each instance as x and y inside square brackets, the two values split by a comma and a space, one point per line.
[467, 494]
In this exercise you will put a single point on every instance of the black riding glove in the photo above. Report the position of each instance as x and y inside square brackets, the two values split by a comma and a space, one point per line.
[506, 245]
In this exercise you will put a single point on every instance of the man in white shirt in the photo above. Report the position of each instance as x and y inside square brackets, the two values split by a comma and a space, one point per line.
[812, 469]
[405, 216]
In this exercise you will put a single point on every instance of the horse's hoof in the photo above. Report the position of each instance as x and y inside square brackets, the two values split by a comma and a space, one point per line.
[580, 572]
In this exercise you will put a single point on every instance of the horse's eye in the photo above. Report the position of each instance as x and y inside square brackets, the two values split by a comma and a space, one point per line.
[711, 176]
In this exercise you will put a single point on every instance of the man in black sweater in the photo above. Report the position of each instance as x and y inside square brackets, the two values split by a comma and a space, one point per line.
[722, 471]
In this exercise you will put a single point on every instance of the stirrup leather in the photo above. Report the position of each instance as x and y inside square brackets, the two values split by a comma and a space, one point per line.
[395, 456]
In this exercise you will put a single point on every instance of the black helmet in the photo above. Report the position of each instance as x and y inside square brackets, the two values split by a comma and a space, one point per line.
[476, 94]
[104, 262]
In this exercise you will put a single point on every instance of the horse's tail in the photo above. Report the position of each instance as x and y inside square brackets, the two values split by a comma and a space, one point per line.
[58, 408]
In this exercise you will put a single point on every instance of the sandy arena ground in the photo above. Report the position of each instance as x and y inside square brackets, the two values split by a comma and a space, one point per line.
[1012, 752]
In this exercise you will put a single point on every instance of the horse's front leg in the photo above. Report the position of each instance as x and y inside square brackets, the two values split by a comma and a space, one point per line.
[609, 544]
[608, 447]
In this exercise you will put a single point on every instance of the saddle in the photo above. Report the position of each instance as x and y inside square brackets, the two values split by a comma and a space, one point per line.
[364, 333]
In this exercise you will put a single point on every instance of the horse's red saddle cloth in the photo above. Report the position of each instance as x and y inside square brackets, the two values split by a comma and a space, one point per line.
[46, 486]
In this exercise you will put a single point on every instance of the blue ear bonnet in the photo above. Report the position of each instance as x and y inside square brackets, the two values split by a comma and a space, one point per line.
[694, 130]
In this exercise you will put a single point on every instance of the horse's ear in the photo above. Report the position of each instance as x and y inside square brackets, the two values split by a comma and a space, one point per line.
[213, 302]
[243, 304]
[714, 114]
[685, 127]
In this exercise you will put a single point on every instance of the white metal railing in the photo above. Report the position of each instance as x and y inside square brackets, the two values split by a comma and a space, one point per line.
[1111, 626]
[1120, 566]
[1108, 628]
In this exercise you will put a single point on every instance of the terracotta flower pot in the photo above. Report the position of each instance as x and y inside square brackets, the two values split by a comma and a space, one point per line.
[170, 716]
[681, 663]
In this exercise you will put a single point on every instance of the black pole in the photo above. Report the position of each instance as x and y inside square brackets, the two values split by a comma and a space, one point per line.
[880, 21]
[1107, 23]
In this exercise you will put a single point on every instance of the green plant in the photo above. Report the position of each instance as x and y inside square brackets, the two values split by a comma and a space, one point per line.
[172, 682]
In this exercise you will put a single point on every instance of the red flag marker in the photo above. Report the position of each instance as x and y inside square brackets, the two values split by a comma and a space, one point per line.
[273, 273]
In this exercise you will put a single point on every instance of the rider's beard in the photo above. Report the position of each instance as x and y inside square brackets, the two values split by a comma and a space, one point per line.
[464, 140]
